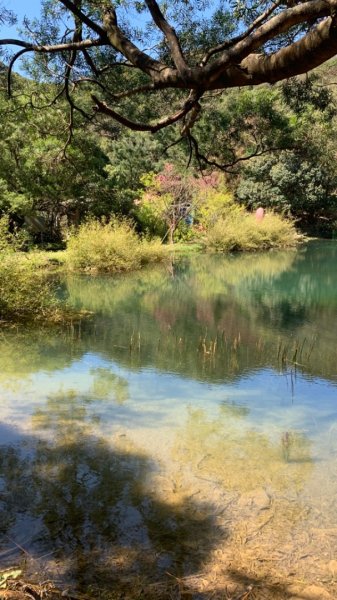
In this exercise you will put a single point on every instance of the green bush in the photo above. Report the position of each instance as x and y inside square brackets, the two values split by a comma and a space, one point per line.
[13, 241]
[25, 293]
[111, 247]
[240, 230]
[152, 251]
[5, 245]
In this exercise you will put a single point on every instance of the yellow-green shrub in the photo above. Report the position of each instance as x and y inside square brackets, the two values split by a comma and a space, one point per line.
[5, 245]
[110, 247]
[152, 251]
[212, 204]
[239, 230]
[24, 292]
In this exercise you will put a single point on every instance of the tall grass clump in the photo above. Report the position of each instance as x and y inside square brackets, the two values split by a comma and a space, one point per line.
[111, 247]
[25, 293]
[239, 230]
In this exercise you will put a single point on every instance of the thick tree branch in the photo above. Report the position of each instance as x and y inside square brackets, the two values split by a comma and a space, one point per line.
[277, 25]
[15, 42]
[54, 48]
[312, 50]
[233, 41]
[191, 102]
[155, 69]
[170, 35]
[83, 17]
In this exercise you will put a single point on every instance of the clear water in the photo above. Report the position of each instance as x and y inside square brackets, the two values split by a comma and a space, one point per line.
[185, 432]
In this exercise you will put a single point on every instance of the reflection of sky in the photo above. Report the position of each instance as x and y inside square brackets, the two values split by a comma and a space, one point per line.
[275, 401]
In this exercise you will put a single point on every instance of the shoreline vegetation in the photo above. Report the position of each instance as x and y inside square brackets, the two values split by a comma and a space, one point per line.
[28, 292]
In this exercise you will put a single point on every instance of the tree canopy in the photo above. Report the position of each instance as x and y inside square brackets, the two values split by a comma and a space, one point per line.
[63, 157]
[123, 52]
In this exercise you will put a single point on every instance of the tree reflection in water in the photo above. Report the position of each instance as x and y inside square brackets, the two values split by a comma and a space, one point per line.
[237, 495]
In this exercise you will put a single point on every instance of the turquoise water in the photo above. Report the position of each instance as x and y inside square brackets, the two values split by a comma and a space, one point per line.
[187, 429]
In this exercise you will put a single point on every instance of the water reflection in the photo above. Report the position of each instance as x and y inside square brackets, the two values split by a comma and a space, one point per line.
[188, 427]
[214, 319]
[218, 318]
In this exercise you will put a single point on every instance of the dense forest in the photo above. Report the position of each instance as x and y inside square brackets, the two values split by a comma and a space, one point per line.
[273, 147]
[89, 129]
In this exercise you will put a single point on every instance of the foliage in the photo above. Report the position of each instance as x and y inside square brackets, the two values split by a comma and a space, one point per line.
[41, 173]
[5, 244]
[129, 157]
[299, 94]
[167, 201]
[181, 205]
[212, 199]
[106, 170]
[300, 180]
[239, 230]
[110, 247]
[15, 240]
[25, 293]
[303, 188]
[242, 123]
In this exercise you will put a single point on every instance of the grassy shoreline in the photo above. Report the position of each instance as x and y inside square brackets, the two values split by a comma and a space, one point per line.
[27, 293]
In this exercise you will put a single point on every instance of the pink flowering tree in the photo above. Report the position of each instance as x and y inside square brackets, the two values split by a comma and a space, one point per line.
[169, 198]
[172, 201]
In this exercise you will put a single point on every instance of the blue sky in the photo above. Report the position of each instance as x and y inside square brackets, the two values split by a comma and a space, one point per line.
[21, 8]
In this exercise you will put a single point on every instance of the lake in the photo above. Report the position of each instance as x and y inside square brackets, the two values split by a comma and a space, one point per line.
[180, 442]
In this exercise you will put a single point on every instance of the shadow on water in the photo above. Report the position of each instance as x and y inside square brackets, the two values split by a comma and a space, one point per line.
[85, 513]
[80, 513]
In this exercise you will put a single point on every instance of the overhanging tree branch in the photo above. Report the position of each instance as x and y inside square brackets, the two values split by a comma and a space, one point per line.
[229, 43]
[241, 61]
[170, 35]
[77, 12]
[309, 52]
[154, 68]
[191, 102]
[228, 167]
